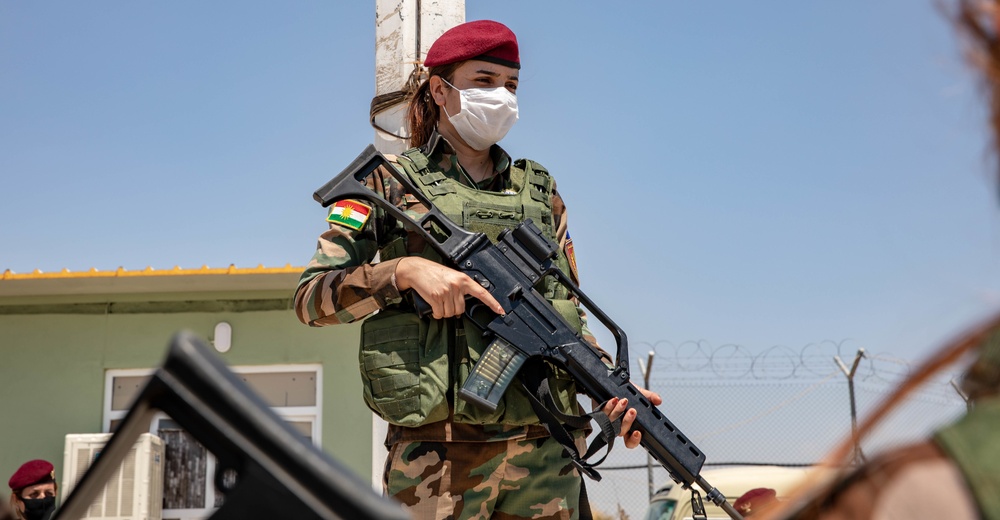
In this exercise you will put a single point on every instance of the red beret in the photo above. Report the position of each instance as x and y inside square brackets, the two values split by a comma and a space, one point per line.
[32, 472]
[484, 40]
[754, 500]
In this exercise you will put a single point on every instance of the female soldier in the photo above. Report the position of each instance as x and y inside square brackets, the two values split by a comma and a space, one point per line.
[33, 490]
[448, 458]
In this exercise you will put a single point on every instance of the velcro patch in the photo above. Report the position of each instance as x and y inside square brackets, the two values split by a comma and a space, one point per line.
[350, 214]
[571, 257]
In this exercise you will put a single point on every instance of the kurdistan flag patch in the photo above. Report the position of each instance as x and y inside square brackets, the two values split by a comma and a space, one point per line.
[349, 213]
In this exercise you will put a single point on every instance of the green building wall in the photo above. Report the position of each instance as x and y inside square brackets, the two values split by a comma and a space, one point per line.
[52, 376]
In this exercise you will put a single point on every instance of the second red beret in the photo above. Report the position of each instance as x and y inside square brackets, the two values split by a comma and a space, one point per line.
[32, 472]
[755, 499]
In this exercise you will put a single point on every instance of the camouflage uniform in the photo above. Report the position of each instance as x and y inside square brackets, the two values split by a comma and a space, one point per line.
[513, 479]
[443, 469]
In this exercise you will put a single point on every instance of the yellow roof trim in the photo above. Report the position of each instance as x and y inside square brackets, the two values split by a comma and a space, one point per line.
[149, 271]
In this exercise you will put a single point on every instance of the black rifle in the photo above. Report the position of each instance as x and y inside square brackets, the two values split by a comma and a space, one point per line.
[266, 468]
[509, 270]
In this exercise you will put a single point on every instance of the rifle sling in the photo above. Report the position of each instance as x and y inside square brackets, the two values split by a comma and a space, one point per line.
[536, 386]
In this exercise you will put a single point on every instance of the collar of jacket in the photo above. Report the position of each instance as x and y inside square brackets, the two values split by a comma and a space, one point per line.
[437, 145]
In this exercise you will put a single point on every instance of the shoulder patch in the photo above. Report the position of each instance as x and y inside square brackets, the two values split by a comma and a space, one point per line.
[350, 214]
[571, 258]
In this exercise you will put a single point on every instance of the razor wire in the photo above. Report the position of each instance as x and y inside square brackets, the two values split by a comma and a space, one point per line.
[699, 360]
[777, 405]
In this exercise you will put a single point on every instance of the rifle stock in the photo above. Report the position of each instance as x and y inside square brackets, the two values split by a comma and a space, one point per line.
[530, 326]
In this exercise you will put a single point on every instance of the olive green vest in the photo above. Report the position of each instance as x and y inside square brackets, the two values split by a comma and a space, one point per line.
[973, 443]
[412, 367]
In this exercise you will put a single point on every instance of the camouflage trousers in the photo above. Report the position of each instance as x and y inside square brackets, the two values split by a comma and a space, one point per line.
[501, 480]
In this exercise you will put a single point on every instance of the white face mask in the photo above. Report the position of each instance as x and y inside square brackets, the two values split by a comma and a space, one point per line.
[486, 116]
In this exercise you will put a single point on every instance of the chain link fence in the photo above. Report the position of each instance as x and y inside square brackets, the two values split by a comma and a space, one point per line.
[779, 406]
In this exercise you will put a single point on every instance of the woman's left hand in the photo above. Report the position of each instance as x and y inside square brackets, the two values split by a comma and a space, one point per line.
[615, 408]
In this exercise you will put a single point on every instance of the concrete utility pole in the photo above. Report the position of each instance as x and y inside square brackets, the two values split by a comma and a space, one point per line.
[404, 30]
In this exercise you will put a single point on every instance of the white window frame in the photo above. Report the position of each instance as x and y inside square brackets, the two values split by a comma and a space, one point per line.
[290, 413]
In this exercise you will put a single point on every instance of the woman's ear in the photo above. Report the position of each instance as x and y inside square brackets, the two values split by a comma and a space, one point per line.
[437, 89]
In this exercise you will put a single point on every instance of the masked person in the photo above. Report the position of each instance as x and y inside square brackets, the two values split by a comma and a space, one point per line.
[33, 490]
[447, 458]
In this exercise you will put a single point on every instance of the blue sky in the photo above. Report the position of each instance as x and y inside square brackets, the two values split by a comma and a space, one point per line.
[761, 173]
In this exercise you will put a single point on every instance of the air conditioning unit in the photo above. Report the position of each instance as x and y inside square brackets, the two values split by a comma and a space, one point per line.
[134, 492]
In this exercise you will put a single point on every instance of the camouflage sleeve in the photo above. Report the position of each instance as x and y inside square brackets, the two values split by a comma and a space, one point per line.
[566, 244]
[341, 283]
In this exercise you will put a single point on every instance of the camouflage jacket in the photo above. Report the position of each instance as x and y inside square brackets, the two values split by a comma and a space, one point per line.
[342, 283]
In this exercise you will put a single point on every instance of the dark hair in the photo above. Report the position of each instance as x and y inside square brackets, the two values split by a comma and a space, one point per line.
[423, 113]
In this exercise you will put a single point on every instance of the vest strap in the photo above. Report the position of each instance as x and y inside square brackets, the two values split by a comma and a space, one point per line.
[438, 190]
[417, 157]
[432, 177]
[539, 182]
[542, 181]
[538, 196]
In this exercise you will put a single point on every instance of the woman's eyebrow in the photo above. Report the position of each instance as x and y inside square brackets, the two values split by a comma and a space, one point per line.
[494, 74]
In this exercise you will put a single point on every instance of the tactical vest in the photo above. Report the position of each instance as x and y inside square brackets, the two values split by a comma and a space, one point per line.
[413, 367]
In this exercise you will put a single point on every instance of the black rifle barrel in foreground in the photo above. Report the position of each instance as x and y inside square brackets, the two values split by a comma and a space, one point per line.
[265, 468]
[509, 270]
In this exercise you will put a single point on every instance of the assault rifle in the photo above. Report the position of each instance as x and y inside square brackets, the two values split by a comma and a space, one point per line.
[531, 327]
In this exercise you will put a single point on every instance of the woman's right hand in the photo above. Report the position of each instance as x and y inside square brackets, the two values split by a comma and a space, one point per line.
[443, 288]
